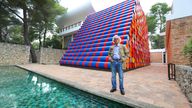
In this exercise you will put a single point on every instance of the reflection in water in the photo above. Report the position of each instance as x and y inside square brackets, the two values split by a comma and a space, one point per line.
[22, 89]
[39, 84]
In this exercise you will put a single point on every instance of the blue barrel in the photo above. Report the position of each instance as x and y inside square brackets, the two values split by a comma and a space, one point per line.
[92, 42]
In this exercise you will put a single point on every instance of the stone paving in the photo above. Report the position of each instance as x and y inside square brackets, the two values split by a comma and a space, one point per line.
[149, 84]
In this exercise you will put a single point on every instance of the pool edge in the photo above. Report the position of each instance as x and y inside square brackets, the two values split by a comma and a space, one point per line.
[109, 96]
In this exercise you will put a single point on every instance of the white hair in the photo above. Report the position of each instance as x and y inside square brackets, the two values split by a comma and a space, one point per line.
[116, 36]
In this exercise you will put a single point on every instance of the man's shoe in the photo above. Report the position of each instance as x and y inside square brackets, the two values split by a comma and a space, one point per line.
[112, 90]
[122, 92]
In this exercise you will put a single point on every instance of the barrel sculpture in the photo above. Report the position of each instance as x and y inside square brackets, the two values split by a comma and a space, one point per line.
[93, 40]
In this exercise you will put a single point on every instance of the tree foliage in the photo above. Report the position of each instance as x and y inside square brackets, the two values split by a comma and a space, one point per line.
[158, 41]
[152, 24]
[44, 18]
[188, 51]
[159, 12]
[156, 21]
[37, 18]
[54, 42]
[15, 35]
[7, 21]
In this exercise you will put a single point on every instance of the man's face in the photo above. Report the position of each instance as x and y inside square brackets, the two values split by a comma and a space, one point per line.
[116, 40]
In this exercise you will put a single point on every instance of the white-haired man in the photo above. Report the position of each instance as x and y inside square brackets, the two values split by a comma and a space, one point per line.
[117, 55]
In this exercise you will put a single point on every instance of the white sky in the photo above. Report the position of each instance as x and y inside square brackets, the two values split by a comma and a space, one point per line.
[102, 4]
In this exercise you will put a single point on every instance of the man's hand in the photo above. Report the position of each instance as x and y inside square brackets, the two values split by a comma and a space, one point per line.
[110, 59]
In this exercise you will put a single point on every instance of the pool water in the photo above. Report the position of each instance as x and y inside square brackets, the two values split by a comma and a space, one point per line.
[23, 89]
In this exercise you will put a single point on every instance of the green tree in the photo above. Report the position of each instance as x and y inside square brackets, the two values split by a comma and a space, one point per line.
[44, 18]
[54, 42]
[36, 13]
[159, 12]
[152, 24]
[188, 51]
[15, 35]
[25, 5]
[7, 20]
[158, 41]
[156, 21]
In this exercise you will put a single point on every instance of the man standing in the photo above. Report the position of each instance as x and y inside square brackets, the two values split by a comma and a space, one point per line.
[117, 55]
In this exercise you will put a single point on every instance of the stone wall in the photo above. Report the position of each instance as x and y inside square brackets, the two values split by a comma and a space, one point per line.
[50, 56]
[184, 79]
[178, 33]
[12, 54]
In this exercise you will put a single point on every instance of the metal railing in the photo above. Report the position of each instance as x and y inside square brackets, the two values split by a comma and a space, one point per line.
[171, 71]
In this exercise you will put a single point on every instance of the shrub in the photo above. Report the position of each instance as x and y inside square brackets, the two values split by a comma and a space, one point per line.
[188, 51]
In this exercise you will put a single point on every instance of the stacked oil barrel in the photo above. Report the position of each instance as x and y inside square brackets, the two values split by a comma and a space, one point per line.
[138, 40]
[92, 42]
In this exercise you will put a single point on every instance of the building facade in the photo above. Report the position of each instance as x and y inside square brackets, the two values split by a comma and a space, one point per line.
[178, 31]
[71, 22]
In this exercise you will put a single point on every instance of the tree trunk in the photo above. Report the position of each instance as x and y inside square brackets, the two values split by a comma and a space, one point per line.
[44, 36]
[26, 36]
[161, 22]
[5, 35]
[1, 38]
[40, 44]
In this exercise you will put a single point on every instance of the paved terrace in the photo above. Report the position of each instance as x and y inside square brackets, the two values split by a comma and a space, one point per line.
[144, 87]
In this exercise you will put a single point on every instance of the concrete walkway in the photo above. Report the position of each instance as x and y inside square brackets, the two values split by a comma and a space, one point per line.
[143, 86]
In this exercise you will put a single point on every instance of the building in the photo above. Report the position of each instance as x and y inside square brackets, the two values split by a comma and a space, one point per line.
[71, 22]
[178, 31]
[158, 56]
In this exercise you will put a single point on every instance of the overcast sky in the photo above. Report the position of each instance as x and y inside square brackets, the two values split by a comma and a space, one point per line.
[102, 4]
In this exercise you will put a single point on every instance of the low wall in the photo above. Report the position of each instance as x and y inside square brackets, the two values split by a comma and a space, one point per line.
[50, 56]
[184, 79]
[12, 54]
[156, 57]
